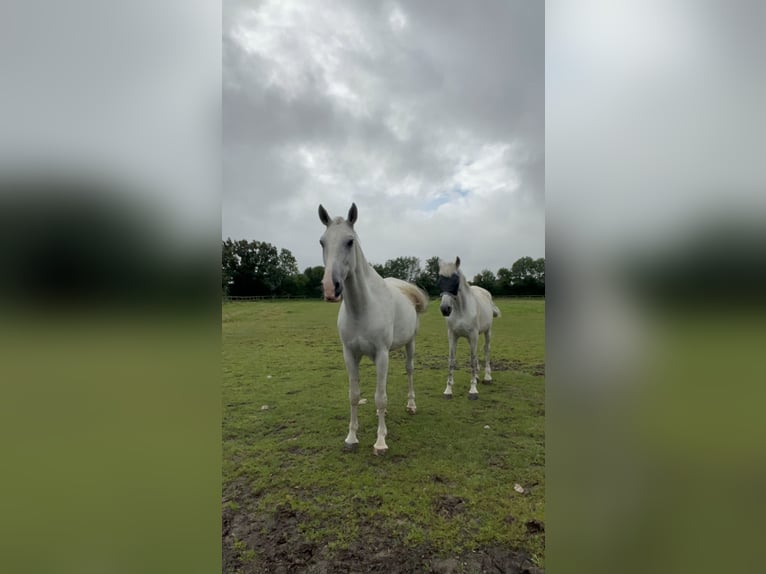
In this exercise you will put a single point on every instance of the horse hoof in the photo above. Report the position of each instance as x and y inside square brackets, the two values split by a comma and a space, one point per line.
[487, 381]
[412, 410]
[447, 396]
[379, 451]
[473, 396]
[352, 447]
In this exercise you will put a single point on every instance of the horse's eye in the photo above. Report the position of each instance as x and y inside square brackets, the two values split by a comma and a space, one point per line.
[349, 243]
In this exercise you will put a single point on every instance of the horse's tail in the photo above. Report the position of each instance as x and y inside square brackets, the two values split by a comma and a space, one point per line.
[415, 294]
[495, 310]
[420, 300]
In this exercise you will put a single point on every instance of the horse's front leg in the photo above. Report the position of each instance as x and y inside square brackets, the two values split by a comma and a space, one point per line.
[352, 366]
[473, 340]
[381, 400]
[410, 350]
[450, 381]
[487, 368]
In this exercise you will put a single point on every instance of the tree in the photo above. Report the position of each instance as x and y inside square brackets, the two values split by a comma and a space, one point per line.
[528, 276]
[540, 271]
[229, 262]
[295, 285]
[487, 280]
[427, 279]
[256, 268]
[504, 282]
[286, 267]
[313, 285]
[404, 268]
[238, 268]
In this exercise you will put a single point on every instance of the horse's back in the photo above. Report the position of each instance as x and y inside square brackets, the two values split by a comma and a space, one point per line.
[486, 308]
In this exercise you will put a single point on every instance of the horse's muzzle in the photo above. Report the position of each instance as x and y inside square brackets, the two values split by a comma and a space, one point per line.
[332, 284]
[445, 310]
[335, 297]
[332, 290]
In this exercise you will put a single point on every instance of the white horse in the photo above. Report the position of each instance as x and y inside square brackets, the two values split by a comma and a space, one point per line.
[469, 311]
[376, 316]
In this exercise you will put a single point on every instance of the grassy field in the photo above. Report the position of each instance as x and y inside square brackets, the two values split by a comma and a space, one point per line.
[294, 500]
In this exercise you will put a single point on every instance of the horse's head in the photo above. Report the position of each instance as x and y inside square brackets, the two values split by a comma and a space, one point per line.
[338, 251]
[449, 284]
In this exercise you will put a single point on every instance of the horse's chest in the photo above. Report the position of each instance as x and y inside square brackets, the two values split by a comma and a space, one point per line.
[365, 346]
[366, 337]
[462, 326]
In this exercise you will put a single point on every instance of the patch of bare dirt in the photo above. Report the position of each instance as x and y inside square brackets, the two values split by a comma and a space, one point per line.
[261, 543]
[538, 370]
[448, 505]
[534, 526]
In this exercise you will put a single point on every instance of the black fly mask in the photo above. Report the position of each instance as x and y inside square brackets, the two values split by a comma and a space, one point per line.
[449, 284]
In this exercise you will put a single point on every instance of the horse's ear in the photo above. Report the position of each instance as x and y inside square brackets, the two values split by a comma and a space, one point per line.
[324, 217]
[352, 213]
[457, 262]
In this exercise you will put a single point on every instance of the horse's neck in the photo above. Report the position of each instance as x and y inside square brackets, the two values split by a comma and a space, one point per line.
[465, 300]
[358, 284]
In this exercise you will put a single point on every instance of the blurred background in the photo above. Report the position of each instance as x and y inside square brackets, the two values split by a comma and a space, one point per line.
[109, 309]
[109, 298]
[657, 274]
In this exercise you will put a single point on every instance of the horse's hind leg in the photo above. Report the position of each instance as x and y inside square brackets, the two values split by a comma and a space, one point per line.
[487, 368]
[352, 366]
[410, 351]
[473, 340]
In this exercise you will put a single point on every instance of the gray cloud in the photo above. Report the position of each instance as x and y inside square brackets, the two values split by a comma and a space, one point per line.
[429, 116]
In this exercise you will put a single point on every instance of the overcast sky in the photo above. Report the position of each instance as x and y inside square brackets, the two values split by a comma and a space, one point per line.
[428, 115]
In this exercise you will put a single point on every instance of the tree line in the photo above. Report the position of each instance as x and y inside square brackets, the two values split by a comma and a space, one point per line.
[257, 268]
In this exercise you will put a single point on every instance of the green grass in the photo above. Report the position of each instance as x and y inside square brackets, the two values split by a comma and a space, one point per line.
[446, 482]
